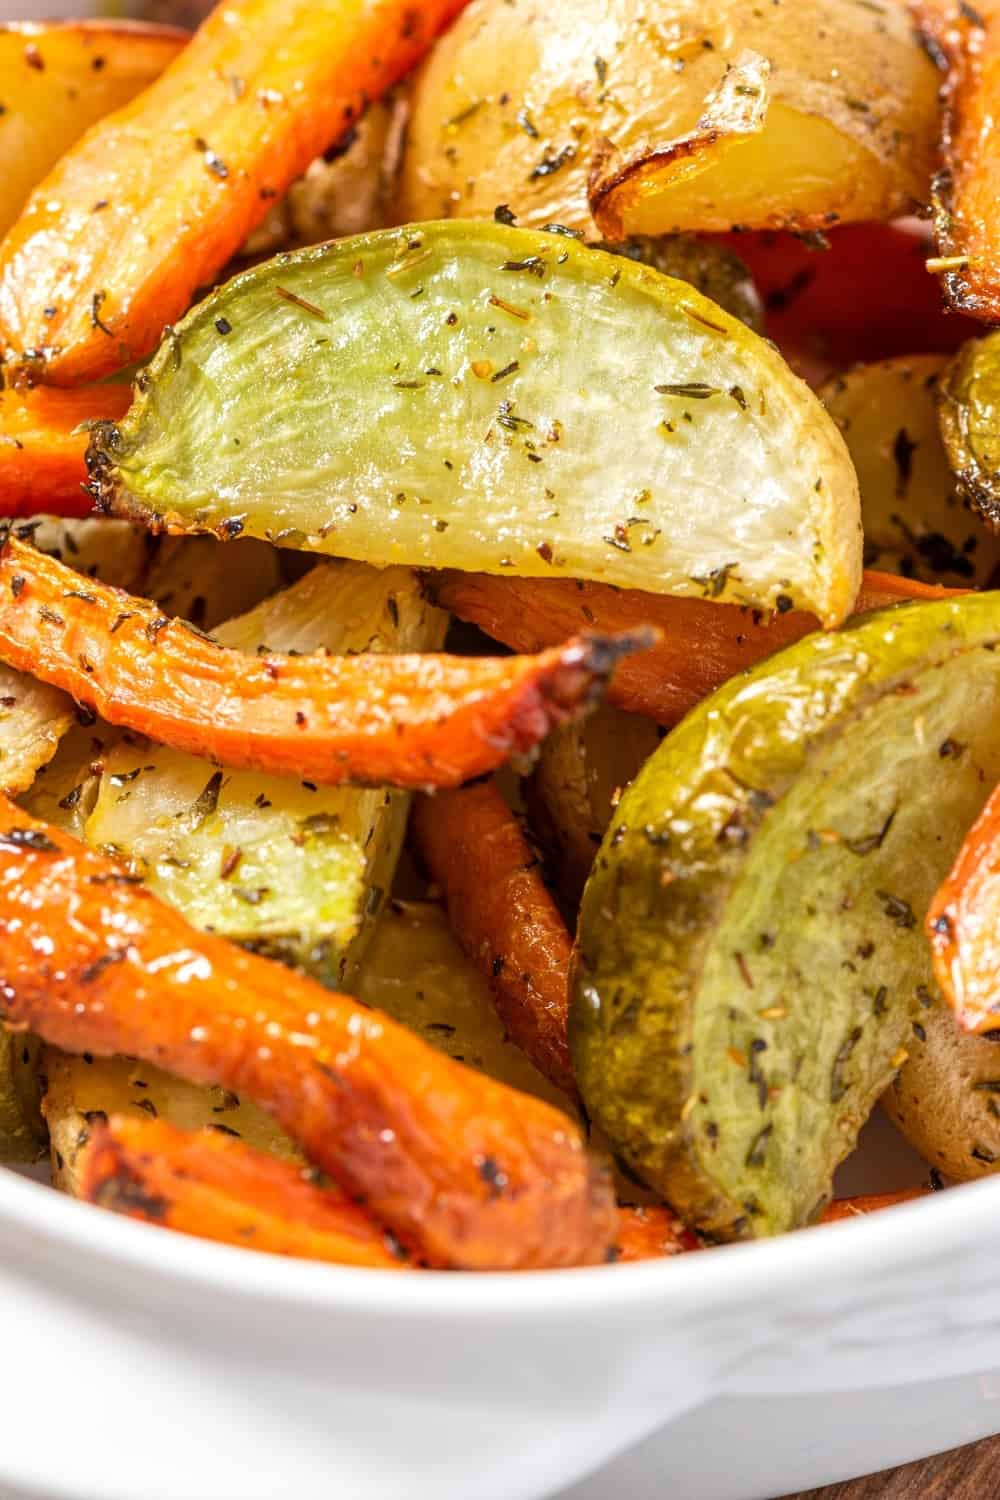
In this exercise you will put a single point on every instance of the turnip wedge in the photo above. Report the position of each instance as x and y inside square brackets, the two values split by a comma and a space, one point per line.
[751, 967]
[475, 396]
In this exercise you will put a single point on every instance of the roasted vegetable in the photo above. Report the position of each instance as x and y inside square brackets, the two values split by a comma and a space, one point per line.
[862, 292]
[22, 1129]
[486, 383]
[751, 964]
[412, 720]
[211, 1186]
[965, 40]
[503, 917]
[694, 116]
[968, 411]
[206, 582]
[347, 191]
[83, 1092]
[155, 199]
[709, 265]
[59, 78]
[468, 1172]
[700, 645]
[42, 445]
[915, 522]
[294, 871]
[963, 925]
[415, 972]
[581, 772]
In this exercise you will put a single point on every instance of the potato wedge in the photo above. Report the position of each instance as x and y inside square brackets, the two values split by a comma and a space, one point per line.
[750, 961]
[914, 520]
[289, 869]
[415, 972]
[634, 115]
[572, 793]
[22, 1129]
[946, 1097]
[81, 1091]
[968, 391]
[59, 78]
[487, 382]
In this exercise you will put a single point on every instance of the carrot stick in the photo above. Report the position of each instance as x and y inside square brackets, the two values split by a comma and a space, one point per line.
[465, 1170]
[41, 457]
[963, 925]
[416, 720]
[154, 199]
[965, 39]
[701, 644]
[655, 1231]
[206, 1184]
[503, 917]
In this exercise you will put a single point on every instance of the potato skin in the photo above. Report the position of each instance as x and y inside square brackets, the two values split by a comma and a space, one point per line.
[946, 1100]
[572, 79]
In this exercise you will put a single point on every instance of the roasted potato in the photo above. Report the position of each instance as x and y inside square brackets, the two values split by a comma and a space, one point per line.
[915, 521]
[620, 117]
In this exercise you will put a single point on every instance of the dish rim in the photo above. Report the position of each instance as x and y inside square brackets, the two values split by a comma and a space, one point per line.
[826, 1255]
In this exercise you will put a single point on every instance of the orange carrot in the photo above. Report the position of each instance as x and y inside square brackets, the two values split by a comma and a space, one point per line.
[701, 644]
[417, 720]
[650, 1233]
[466, 1171]
[503, 916]
[41, 455]
[206, 1184]
[154, 199]
[966, 41]
[963, 925]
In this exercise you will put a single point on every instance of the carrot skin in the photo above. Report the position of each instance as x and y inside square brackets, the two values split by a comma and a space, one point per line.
[503, 917]
[965, 39]
[206, 1184]
[42, 469]
[700, 644]
[655, 1231]
[963, 926]
[157, 197]
[414, 721]
[469, 1172]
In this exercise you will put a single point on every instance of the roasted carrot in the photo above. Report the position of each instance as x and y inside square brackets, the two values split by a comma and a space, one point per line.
[466, 1171]
[965, 40]
[416, 720]
[864, 295]
[503, 917]
[41, 454]
[700, 645]
[206, 1184]
[963, 925]
[653, 1232]
[154, 199]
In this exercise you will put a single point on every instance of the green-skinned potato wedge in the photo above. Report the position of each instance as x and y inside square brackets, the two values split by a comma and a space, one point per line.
[751, 960]
[649, 118]
[946, 1097]
[914, 519]
[969, 393]
[81, 1091]
[476, 396]
[292, 870]
[574, 788]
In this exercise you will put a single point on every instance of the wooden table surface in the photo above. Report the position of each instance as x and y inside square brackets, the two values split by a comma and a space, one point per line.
[964, 1474]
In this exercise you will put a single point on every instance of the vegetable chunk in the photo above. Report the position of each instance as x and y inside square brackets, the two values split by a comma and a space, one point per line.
[158, 196]
[751, 966]
[475, 396]
[472, 1174]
